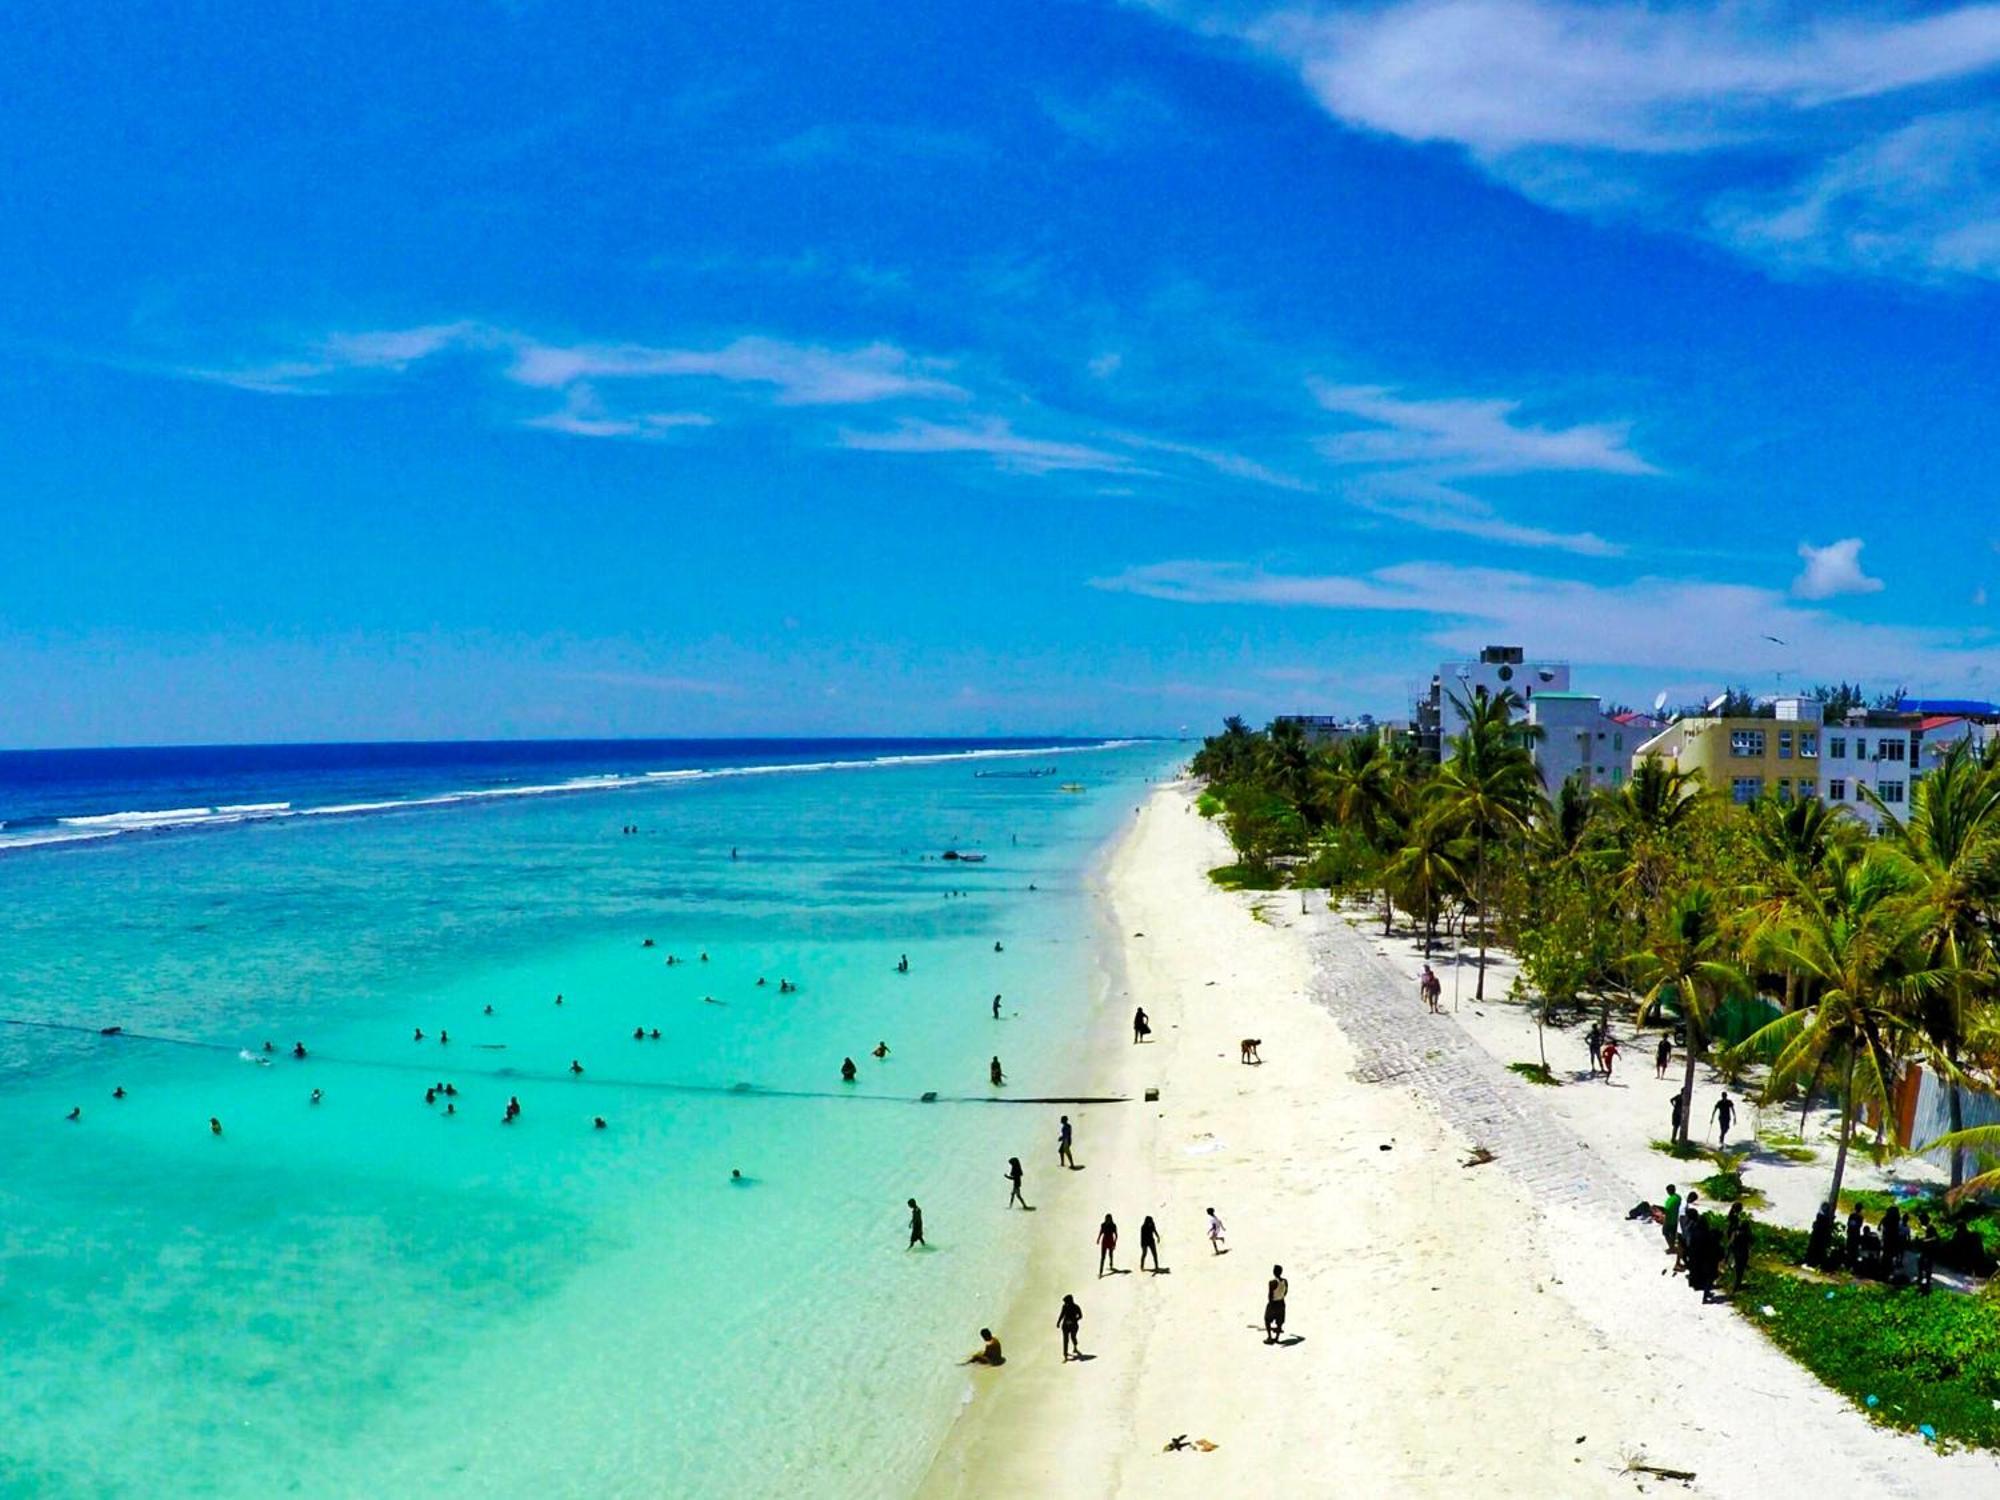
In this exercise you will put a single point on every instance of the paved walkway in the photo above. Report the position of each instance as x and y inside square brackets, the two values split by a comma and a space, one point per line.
[1396, 1041]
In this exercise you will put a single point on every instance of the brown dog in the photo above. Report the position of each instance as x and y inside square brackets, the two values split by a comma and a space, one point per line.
[1250, 1045]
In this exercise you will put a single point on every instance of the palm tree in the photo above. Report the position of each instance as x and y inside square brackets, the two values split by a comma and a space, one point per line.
[1366, 789]
[1950, 848]
[1692, 958]
[1290, 766]
[1489, 787]
[1860, 944]
[1429, 868]
[1650, 817]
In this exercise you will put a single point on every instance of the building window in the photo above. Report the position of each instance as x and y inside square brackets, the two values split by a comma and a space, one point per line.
[1861, 747]
[1746, 788]
[1808, 743]
[1890, 791]
[1836, 747]
[1618, 742]
[1784, 790]
[1836, 790]
[1784, 744]
[1617, 775]
[1891, 749]
[1746, 742]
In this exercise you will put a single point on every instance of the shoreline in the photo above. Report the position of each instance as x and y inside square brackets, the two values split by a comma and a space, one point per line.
[1385, 1250]
[1500, 1330]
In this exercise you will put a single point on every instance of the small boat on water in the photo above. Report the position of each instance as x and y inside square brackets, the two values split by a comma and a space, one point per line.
[1070, 786]
[1014, 775]
[965, 859]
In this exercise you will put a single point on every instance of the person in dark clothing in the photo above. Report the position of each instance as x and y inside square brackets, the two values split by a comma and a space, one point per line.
[1724, 1114]
[847, 1070]
[1069, 1319]
[1065, 1138]
[1149, 1242]
[1663, 1056]
[1141, 1026]
[1107, 1246]
[1892, 1242]
[1926, 1252]
[1819, 1244]
[1855, 1224]
[1676, 1112]
[996, 1074]
[916, 1226]
[1593, 1043]
[1736, 1240]
[1014, 1175]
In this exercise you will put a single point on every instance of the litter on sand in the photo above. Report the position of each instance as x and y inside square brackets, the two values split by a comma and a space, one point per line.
[1479, 1158]
[1181, 1445]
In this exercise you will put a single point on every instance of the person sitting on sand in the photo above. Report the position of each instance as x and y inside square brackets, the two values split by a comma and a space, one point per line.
[847, 1070]
[988, 1352]
[993, 1072]
[1069, 1319]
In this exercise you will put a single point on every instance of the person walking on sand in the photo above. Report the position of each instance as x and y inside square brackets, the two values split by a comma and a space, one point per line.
[1069, 1318]
[1149, 1243]
[1663, 1056]
[1723, 1112]
[1107, 1246]
[1609, 1054]
[993, 1072]
[1274, 1305]
[1593, 1043]
[1215, 1231]
[1141, 1027]
[1014, 1175]
[916, 1226]
[1429, 988]
[1065, 1138]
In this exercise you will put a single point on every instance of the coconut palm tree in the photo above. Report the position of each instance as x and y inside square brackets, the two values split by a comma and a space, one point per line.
[1368, 794]
[1860, 944]
[1429, 869]
[1950, 847]
[1489, 787]
[1290, 766]
[1690, 958]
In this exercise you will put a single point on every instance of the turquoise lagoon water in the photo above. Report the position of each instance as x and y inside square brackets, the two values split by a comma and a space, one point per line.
[367, 1296]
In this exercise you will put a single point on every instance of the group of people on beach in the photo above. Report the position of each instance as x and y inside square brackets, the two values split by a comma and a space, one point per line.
[1699, 1248]
[1895, 1250]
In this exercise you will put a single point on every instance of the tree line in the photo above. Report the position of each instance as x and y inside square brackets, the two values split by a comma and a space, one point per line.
[1777, 932]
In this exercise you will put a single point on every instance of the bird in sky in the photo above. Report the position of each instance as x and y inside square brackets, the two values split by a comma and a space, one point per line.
[1773, 638]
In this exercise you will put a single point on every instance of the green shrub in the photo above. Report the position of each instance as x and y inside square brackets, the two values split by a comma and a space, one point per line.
[1248, 877]
[1681, 1151]
[1535, 1073]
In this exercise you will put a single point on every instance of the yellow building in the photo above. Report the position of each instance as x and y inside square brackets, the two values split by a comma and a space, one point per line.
[1746, 758]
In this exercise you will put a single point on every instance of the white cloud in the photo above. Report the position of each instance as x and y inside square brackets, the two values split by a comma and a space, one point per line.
[583, 415]
[796, 374]
[1235, 465]
[1633, 109]
[992, 438]
[1439, 507]
[1456, 436]
[1711, 630]
[1105, 365]
[1116, 117]
[1833, 569]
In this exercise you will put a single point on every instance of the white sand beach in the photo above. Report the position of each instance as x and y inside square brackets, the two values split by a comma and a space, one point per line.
[1498, 1329]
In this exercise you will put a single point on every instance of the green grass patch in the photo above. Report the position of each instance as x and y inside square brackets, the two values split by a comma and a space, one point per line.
[1793, 1153]
[1680, 1151]
[1208, 804]
[1728, 1187]
[1535, 1073]
[1924, 1359]
[1248, 878]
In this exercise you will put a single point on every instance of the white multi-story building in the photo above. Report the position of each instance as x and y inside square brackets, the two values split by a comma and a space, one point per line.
[1579, 741]
[1874, 750]
[1438, 719]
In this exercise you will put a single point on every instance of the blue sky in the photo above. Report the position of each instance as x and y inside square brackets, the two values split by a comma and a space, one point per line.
[541, 369]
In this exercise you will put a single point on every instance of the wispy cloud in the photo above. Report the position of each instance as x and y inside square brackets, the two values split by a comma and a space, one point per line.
[1415, 453]
[1675, 624]
[991, 438]
[796, 374]
[1661, 111]
[1833, 570]
[1114, 118]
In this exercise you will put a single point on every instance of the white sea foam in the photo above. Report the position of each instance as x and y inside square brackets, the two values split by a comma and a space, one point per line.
[112, 825]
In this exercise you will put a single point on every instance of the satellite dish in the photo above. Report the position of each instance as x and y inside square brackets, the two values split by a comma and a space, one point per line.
[1659, 700]
[1546, 675]
[1717, 701]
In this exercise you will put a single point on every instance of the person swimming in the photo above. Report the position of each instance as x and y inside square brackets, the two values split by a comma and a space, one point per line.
[881, 1049]
[489, 1010]
[654, 1033]
[430, 1095]
[298, 1049]
[847, 1070]
[214, 1126]
[444, 1038]
[737, 1179]
[76, 1113]
[316, 1096]
[119, 1092]
[419, 1036]
[671, 960]
[576, 1068]
[903, 964]
[559, 999]
[451, 1089]
[269, 1048]
[597, 1121]
[647, 943]
[451, 1109]
[638, 1033]
[760, 981]
[997, 948]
